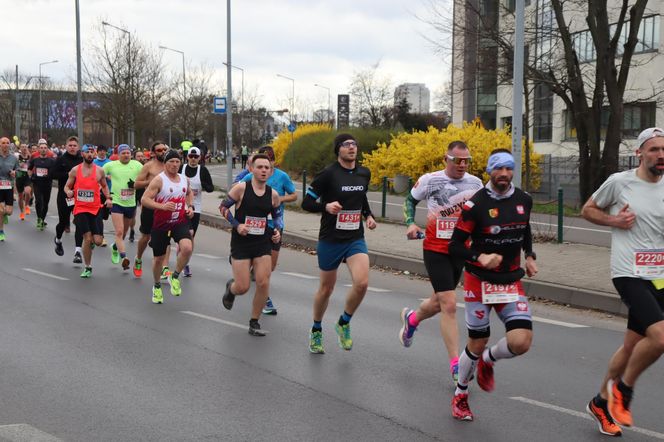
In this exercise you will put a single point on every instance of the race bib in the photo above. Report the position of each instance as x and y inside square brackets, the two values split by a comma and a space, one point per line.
[649, 263]
[23, 167]
[85, 196]
[5, 185]
[41, 171]
[499, 293]
[349, 220]
[255, 224]
[71, 201]
[126, 194]
[445, 227]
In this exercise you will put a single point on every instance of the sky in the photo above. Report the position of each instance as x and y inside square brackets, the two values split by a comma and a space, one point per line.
[312, 41]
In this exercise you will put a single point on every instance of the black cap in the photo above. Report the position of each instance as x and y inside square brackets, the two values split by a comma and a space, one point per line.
[172, 153]
[340, 139]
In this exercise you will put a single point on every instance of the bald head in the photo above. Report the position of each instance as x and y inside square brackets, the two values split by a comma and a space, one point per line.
[4, 145]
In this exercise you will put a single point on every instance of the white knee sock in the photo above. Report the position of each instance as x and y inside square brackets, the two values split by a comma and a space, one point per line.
[467, 364]
[499, 351]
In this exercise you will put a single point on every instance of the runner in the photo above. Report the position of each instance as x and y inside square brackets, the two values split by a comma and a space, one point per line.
[169, 195]
[342, 190]
[251, 238]
[631, 203]
[85, 184]
[63, 165]
[8, 166]
[40, 170]
[123, 174]
[199, 180]
[281, 182]
[497, 218]
[139, 156]
[149, 170]
[445, 192]
[101, 160]
[23, 184]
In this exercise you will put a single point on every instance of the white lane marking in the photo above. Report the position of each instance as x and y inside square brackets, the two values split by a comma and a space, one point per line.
[37, 272]
[23, 432]
[571, 227]
[372, 289]
[220, 321]
[299, 275]
[544, 320]
[583, 415]
[203, 255]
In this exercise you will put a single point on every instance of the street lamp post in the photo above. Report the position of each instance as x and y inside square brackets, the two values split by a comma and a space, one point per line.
[329, 108]
[241, 95]
[41, 114]
[130, 129]
[184, 88]
[292, 106]
[229, 98]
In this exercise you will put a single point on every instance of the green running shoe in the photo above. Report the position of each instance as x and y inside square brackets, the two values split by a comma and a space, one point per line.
[2, 236]
[157, 296]
[316, 342]
[176, 290]
[115, 255]
[343, 333]
[40, 224]
[87, 272]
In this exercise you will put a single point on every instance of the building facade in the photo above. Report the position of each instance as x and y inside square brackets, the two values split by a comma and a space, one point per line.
[417, 95]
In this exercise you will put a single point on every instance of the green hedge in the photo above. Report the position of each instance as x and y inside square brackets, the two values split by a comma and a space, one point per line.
[315, 151]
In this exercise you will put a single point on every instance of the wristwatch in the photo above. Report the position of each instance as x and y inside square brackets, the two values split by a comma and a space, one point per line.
[531, 255]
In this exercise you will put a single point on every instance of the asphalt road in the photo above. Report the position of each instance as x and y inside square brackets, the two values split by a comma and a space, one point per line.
[95, 360]
[575, 229]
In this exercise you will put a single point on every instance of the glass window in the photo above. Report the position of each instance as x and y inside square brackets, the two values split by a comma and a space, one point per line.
[542, 113]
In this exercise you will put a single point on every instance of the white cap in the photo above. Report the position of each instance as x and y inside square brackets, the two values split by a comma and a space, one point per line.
[649, 133]
[194, 151]
[42, 141]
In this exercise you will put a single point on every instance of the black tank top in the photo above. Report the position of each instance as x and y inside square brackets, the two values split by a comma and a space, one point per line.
[253, 212]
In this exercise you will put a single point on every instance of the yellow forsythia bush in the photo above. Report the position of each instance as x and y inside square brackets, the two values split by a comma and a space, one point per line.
[414, 154]
[284, 139]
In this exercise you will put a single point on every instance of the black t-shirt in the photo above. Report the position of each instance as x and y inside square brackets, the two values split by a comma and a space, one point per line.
[349, 187]
[42, 168]
[495, 226]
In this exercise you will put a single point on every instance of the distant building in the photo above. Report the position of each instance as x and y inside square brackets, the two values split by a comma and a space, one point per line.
[416, 94]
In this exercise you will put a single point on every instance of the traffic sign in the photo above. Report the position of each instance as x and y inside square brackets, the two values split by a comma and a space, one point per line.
[219, 105]
[292, 127]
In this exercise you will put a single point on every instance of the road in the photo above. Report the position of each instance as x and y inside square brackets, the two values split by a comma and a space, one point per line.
[96, 360]
[576, 230]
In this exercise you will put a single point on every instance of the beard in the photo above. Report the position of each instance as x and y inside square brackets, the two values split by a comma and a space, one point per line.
[88, 160]
[502, 185]
[160, 158]
[655, 171]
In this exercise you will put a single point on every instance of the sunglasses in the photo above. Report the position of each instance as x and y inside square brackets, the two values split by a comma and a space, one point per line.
[459, 160]
[159, 150]
[194, 156]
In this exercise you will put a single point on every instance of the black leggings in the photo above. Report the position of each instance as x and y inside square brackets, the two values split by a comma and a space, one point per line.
[42, 192]
[64, 213]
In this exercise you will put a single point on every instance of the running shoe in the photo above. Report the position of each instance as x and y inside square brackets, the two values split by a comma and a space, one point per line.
[40, 224]
[131, 235]
[115, 255]
[269, 308]
[460, 408]
[27, 210]
[165, 272]
[78, 259]
[138, 268]
[255, 328]
[87, 273]
[619, 405]
[176, 290]
[407, 330]
[21, 216]
[605, 422]
[157, 296]
[187, 271]
[125, 263]
[316, 342]
[6, 219]
[2, 236]
[228, 298]
[485, 375]
[343, 333]
[59, 250]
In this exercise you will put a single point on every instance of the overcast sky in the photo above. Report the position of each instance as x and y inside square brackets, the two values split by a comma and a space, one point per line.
[312, 41]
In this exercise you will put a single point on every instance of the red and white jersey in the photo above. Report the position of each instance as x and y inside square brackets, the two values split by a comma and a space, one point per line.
[171, 191]
[445, 197]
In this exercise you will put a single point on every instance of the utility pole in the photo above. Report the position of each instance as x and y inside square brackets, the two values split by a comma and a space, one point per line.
[517, 91]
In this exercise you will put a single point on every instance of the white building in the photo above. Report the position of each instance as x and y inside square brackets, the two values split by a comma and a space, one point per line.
[481, 72]
[416, 94]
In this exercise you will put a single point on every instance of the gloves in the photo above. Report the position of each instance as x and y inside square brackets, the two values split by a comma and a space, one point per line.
[130, 184]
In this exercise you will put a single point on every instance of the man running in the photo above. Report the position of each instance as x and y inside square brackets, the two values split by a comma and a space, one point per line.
[445, 192]
[85, 184]
[101, 160]
[169, 196]
[199, 180]
[40, 170]
[123, 174]
[149, 170]
[63, 165]
[282, 183]
[23, 184]
[251, 237]
[342, 189]
[497, 219]
[632, 203]
[8, 166]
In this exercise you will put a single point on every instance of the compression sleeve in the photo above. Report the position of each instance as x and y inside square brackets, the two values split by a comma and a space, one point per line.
[366, 208]
[206, 180]
[278, 217]
[457, 247]
[528, 240]
[409, 209]
[310, 202]
[224, 208]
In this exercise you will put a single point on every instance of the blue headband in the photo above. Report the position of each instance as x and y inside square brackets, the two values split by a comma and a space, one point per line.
[123, 147]
[87, 148]
[498, 160]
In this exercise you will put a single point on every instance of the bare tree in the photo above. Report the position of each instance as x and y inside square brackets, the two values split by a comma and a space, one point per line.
[371, 98]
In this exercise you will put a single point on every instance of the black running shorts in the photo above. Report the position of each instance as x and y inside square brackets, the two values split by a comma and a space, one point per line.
[444, 271]
[160, 239]
[7, 197]
[87, 222]
[644, 302]
[147, 217]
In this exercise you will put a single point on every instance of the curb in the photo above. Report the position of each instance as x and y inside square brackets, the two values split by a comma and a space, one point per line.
[562, 294]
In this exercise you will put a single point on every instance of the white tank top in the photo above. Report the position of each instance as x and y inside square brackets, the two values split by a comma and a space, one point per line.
[196, 189]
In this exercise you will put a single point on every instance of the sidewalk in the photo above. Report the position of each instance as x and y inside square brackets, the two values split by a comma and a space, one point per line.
[573, 274]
